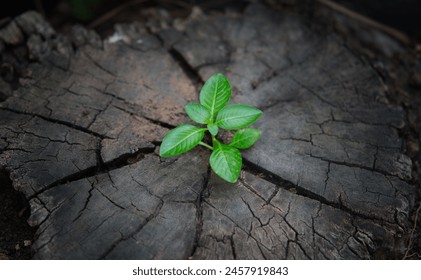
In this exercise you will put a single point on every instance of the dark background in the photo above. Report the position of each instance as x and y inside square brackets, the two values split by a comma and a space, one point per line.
[404, 15]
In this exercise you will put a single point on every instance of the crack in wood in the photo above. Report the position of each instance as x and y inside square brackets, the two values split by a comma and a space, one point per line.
[190, 71]
[199, 212]
[119, 162]
[137, 230]
[278, 181]
[57, 121]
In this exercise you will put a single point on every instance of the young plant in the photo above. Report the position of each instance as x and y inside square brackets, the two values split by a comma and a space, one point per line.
[214, 112]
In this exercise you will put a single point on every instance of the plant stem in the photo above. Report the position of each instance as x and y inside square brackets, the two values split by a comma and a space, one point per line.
[206, 145]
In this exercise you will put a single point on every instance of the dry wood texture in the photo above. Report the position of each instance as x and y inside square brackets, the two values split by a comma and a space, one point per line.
[81, 128]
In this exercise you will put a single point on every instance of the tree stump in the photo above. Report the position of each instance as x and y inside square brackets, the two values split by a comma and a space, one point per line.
[81, 127]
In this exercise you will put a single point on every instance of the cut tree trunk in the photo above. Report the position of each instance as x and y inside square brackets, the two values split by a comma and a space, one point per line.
[81, 127]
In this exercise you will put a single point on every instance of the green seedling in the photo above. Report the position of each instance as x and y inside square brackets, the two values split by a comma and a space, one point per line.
[214, 112]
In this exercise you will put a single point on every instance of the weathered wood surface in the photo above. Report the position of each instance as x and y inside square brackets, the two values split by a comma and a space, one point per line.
[79, 136]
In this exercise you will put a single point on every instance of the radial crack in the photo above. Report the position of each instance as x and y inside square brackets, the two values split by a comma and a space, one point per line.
[65, 123]
[137, 230]
[199, 212]
[119, 162]
[275, 179]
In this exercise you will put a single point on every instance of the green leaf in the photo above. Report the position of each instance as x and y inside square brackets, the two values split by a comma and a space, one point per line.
[245, 138]
[215, 94]
[213, 129]
[226, 161]
[198, 113]
[181, 139]
[237, 116]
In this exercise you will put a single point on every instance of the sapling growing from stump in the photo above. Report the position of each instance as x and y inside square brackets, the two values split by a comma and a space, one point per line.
[214, 112]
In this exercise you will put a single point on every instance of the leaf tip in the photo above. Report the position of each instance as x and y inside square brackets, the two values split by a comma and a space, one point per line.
[233, 181]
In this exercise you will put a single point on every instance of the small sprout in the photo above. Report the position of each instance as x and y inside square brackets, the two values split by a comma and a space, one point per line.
[213, 112]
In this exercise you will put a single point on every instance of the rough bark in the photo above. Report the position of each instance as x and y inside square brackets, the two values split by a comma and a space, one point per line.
[80, 133]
